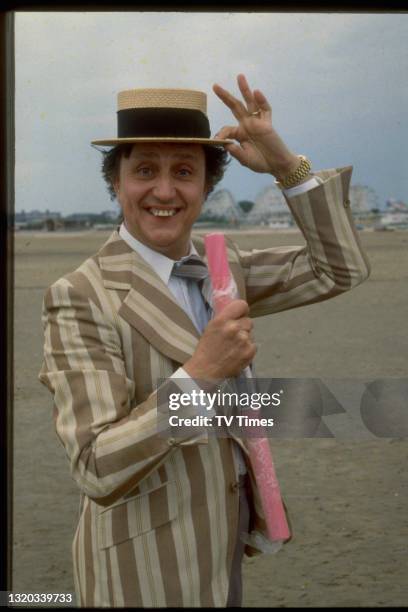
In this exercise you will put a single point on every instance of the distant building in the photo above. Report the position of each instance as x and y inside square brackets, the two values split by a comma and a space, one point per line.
[50, 220]
[106, 218]
[270, 207]
[35, 216]
[363, 199]
[393, 205]
[395, 215]
[393, 220]
[37, 219]
[111, 214]
[221, 207]
[104, 226]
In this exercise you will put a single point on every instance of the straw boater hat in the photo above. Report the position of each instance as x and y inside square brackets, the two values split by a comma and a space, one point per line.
[162, 115]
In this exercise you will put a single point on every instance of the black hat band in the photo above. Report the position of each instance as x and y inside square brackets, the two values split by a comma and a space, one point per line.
[162, 122]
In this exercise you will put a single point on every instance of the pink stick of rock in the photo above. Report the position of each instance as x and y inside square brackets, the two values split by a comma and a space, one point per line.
[224, 291]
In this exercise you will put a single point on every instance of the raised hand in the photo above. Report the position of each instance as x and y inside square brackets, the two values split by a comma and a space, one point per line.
[260, 147]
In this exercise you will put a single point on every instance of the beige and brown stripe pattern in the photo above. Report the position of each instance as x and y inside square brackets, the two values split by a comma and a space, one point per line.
[158, 518]
[331, 263]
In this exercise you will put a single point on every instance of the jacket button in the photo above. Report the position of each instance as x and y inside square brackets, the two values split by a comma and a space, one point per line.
[234, 486]
[347, 203]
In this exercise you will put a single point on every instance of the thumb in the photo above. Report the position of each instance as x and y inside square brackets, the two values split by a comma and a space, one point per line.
[236, 309]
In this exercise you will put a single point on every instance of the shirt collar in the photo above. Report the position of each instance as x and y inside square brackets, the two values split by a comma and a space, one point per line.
[162, 265]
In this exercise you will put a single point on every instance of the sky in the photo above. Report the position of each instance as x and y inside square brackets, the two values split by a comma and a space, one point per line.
[337, 84]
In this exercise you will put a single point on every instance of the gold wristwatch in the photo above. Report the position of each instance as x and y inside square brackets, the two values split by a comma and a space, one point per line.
[295, 177]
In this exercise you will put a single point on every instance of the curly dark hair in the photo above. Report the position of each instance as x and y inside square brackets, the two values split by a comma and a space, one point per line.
[216, 160]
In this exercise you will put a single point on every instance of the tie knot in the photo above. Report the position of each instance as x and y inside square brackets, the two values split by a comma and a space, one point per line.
[193, 268]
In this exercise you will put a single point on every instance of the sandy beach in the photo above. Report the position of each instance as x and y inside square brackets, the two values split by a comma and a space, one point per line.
[347, 499]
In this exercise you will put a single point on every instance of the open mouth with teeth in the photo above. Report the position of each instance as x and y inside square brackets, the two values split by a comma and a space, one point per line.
[168, 212]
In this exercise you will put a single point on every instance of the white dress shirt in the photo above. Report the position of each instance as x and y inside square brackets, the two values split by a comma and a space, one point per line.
[188, 295]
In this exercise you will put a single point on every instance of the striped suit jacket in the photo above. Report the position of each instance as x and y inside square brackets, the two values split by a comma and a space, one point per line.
[158, 517]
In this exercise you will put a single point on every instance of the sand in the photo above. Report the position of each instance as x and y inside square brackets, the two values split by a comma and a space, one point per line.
[347, 498]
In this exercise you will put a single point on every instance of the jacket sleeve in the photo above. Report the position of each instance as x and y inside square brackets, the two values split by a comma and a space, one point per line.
[111, 443]
[331, 262]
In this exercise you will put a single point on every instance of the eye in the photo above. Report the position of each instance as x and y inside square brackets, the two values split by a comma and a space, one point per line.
[184, 172]
[144, 171]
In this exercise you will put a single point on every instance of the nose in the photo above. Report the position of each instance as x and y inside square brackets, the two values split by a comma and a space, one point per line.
[163, 188]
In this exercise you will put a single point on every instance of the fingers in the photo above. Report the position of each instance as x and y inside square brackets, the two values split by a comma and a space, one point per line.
[247, 93]
[246, 347]
[237, 152]
[254, 99]
[235, 319]
[228, 131]
[246, 324]
[240, 152]
[243, 335]
[241, 338]
[236, 106]
[261, 101]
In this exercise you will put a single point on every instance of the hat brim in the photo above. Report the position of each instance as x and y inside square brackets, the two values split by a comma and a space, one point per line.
[207, 141]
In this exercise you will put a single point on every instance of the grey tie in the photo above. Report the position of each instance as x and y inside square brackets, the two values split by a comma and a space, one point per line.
[193, 268]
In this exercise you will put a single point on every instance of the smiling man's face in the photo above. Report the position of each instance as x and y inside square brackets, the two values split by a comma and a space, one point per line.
[161, 188]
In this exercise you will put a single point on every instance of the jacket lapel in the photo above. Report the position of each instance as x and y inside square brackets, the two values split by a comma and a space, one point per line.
[148, 305]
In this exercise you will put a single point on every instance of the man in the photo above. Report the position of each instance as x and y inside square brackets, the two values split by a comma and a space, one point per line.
[160, 518]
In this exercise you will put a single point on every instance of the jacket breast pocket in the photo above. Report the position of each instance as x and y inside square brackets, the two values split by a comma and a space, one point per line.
[137, 515]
